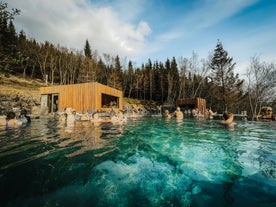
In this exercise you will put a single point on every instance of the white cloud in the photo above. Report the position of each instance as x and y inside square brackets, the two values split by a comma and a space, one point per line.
[70, 22]
[122, 27]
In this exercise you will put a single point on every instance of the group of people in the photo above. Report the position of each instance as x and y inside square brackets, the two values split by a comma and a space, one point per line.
[70, 115]
[195, 113]
[178, 114]
[11, 120]
[228, 117]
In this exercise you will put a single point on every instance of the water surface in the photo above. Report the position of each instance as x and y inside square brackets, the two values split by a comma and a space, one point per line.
[149, 161]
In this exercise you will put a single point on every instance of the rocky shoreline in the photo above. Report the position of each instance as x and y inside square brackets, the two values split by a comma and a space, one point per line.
[16, 102]
[17, 93]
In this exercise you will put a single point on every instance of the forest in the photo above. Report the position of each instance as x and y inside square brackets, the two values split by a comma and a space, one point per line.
[212, 78]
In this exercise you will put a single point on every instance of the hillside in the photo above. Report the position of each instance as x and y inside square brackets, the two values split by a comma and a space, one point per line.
[12, 85]
[17, 92]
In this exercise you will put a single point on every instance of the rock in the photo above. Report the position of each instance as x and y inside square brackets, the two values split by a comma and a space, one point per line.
[16, 101]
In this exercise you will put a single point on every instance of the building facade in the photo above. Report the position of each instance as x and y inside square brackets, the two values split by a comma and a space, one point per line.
[81, 97]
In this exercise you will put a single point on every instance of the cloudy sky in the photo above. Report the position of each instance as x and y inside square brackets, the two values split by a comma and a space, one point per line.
[155, 29]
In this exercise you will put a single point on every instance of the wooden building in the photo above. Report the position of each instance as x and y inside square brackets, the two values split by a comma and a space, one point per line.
[192, 103]
[85, 96]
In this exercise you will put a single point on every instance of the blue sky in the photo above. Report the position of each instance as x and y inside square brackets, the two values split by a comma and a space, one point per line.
[155, 29]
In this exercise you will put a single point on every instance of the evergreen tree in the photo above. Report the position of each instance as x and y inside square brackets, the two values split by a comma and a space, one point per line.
[115, 78]
[101, 72]
[8, 37]
[149, 79]
[173, 80]
[162, 77]
[87, 71]
[130, 79]
[157, 85]
[87, 50]
[23, 53]
[223, 76]
[174, 71]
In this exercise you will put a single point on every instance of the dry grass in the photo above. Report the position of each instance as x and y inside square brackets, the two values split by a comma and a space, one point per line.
[13, 85]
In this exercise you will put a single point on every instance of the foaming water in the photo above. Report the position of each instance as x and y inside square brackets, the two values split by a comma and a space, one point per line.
[148, 161]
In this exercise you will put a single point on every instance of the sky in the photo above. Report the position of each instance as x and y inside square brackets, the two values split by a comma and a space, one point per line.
[137, 30]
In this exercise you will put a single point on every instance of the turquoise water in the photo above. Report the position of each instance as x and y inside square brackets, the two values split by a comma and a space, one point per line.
[148, 161]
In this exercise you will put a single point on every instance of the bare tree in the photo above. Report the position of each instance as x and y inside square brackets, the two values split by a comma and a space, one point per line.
[42, 58]
[261, 77]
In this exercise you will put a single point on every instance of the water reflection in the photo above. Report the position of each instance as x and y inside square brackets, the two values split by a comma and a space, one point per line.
[87, 136]
[147, 161]
[46, 137]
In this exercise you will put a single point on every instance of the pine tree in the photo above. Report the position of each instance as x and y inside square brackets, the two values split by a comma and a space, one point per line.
[173, 80]
[87, 72]
[8, 37]
[23, 53]
[101, 72]
[130, 79]
[149, 78]
[87, 50]
[175, 73]
[223, 76]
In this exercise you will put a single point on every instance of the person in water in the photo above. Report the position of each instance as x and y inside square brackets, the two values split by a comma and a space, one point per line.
[167, 114]
[10, 120]
[228, 120]
[178, 113]
[24, 117]
[96, 118]
[210, 114]
[85, 116]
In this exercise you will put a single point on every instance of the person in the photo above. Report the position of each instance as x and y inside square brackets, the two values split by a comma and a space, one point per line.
[23, 116]
[69, 115]
[159, 109]
[69, 118]
[85, 116]
[178, 113]
[10, 120]
[210, 114]
[96, 118]
[167, 114]
[228, 120]
[195, 112]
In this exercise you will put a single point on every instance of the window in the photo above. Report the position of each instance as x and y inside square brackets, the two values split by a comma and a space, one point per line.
[109, 101]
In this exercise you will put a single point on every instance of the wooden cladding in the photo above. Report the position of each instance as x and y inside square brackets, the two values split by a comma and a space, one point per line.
[86, 96]
[192, 103]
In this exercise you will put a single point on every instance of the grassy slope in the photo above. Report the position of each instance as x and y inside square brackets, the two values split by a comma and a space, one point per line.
[12, 85]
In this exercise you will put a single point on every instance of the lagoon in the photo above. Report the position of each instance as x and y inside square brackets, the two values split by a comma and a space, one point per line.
[147, 161]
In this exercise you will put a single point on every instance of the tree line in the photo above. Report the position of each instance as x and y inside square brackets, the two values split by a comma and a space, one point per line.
[212, 78]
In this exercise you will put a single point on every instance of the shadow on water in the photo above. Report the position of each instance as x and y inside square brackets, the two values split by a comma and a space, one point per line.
[144, 162]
